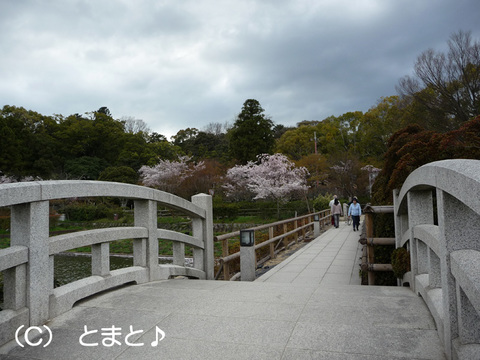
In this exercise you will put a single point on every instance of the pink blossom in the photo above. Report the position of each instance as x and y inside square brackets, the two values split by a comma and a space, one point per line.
[168, 175]
[274, 177]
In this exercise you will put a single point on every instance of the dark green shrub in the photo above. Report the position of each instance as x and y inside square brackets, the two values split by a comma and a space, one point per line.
[91, 212]
[262, 209]
[400, 262]
[322, 202]
[4, 222]
[383, 226]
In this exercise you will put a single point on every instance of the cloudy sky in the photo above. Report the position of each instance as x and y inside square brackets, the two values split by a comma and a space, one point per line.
[187, 63]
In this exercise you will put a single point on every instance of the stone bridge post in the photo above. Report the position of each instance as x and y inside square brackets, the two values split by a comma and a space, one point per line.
[146, 250]
[30, 228]
[203, 229]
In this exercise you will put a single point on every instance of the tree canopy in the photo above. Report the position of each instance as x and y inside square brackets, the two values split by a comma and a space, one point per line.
[72, 147]
[252, 133]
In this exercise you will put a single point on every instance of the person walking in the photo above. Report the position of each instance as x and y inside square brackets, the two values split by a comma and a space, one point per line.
[336, 211]
[330, 204]
[332, 201]
[355, 210]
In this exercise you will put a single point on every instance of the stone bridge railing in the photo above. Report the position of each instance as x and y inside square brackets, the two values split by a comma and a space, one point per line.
[30, 298]
[437, 217]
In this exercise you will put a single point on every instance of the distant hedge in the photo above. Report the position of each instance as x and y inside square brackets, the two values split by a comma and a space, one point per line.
[90, 212]
[263, 209]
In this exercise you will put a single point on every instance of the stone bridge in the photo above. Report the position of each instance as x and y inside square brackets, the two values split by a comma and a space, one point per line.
[301, 309]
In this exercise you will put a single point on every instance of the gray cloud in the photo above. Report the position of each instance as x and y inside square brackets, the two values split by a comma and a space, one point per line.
[186, 64]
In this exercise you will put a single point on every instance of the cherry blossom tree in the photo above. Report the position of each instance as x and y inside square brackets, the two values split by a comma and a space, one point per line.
[237, 182]
[272, 177]
[169, 175]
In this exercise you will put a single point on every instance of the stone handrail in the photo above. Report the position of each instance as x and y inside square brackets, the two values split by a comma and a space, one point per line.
[437, 218]
[30, 298]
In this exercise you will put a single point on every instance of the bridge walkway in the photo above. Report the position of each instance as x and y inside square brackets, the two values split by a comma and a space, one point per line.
[304, 308]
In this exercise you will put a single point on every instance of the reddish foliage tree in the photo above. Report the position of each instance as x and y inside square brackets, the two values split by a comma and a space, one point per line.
[413, 147]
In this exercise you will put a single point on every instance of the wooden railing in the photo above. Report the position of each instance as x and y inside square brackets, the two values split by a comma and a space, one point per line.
[368, 241]
[281, 235]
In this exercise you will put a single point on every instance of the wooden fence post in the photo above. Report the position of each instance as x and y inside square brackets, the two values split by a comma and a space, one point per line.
[370, 248]
[226, 266]
[295, 226]
[272, 245]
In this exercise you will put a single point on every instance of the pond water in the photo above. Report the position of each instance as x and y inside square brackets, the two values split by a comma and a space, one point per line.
[70, 268]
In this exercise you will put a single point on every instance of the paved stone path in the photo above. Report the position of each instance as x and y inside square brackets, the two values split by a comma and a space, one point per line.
[334, 258]
[304, 308]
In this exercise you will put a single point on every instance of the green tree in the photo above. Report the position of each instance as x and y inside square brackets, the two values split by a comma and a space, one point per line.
[318, 169]
[184, 136]
[74, 134]
[123, 174]
[298, 142]
[108, 135]
[29, 146]
[97, 136]
[156, 137]
[279, 130]
[348, 135]
[333, 134]
[84, 168]
[202, 145]
[210, 146]
[134, 151]
[11, 156]
[252, 133]
[377, 125]
[160, 148]
[104, 110]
